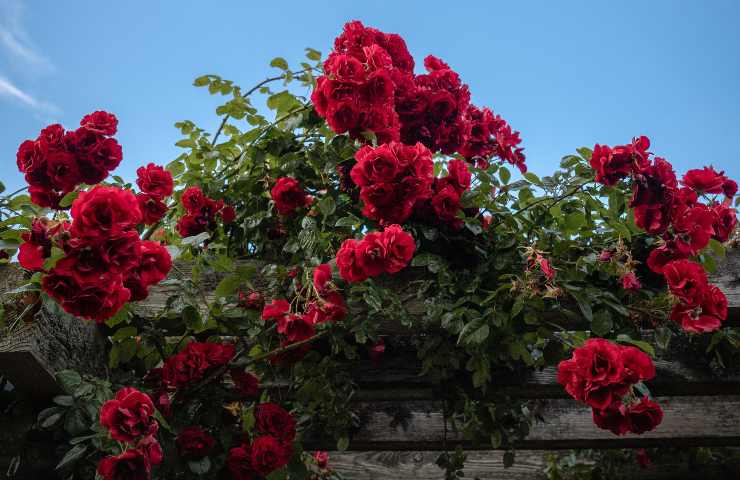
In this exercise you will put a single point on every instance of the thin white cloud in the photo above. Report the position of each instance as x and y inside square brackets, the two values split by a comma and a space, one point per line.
[8, 90]
[14, 39]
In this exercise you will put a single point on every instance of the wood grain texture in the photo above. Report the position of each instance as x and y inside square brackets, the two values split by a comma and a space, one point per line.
[488, 465]
[419, 425]
[36, 351]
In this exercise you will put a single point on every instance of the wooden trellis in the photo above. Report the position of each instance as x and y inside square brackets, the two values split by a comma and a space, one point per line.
[702, 407]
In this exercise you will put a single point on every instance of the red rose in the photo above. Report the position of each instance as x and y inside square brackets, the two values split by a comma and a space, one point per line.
[31, 158]
[547, 270]
[239, 463]
[331, 308]
[247, 384]
[372, 254]
[296, 328]
[132, 464]
[228, 214]
[104, 212]
[275, 310]
[725, 220]
[155, 262]
[194, 443]
[379, 87]
[153, 209]
[95, 301]
[594, 374]
[693, 228]
[272, 419]
[321, 277]
[191, 225]
[288, 195]
[347, 262]
[62, 170]
[267, 454]
[661, 256]
[375, 165]
[705, 180]
[152, 449]
[129, 416]
[399, 247]
[644, 416]
[729, 188]
[100, 122]
[252, 300]
[638, 366]
[44, 197]
[611, 165]
[687, 280]
[446, 203]
[706, 317]
[376, 351]
[342, 116]
[36, 246]
[631, 282]
[344, 68]
[194, 361]
[88, 261]
[193, 199]
[643, 459]
[321, 459]
[458, 175]
[99, 159]
[614, 418]
[155, 180]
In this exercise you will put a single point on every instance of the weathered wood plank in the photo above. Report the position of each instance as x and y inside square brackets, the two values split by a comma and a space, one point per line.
[688, 421]
[529, 465]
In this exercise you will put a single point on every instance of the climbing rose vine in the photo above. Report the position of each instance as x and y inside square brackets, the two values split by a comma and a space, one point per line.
[245, 284]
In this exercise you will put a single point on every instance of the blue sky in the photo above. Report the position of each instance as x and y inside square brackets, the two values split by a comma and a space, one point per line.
[566, 74]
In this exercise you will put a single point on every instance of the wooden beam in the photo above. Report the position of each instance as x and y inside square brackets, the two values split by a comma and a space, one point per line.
[688, 421]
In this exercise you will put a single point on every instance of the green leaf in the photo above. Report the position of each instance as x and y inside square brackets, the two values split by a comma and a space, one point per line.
[584, 305]
[312, 54]
[327, 206]
[504, 174]
[602, 323]
[644, 346]
[176, 168]
[585, 153]
[69, 380]
[125, 332]
[349, 221]
[279, 62]
[200, 467]
[72, 455]
[532, 178]
[228, 285]
[202, 81]
[67, 200]
[64, 400]
[343, 443]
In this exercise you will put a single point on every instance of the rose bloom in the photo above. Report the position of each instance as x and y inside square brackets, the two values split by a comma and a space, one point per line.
[191, 364]
[372, 254]
[252, 300]
[705, 180]
[194, 443]
[153, 209]
[644, 416]
[288, 195]
[155, 180]
[272, 419]
[613, 418]
[347, 262]
[132, 464]
[687, 280]
[267, 454]
[631, 282]
[724, 223]
[100, 122]
[152, 449]
[94, 301]
[706, 317]
[36, 246]
[246, 383]
[104, 212]
[239, 463]
[399, 248]
[129, 416]
[321, 277]
[228, 214]
[155, 262]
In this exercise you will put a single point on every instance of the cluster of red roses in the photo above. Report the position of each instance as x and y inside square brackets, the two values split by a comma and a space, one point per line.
[105, 263]
[129, 418]
[328, 307]
[388, 251]
[155, 184]
[269, 449]
[58, 161]
[601, 374]
[194, 362]
[701, 307]
[202, 212]
[370, 86]
[675, 213]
